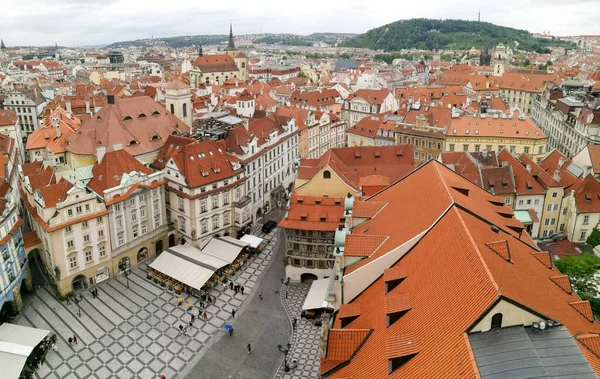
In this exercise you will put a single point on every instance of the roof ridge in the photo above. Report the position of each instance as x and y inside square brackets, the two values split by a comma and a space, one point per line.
[481, 259]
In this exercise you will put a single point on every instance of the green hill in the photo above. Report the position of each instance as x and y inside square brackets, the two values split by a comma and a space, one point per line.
[430, 34]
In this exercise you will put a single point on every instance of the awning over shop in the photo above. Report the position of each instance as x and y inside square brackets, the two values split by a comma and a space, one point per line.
[16, 344]
[254, 241]
[225, 248]
[316, 295]
[188, 265]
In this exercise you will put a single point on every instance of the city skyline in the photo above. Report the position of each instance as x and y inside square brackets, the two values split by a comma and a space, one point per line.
[90, 23]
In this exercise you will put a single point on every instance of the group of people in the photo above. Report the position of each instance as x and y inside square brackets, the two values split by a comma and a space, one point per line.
[236, 288]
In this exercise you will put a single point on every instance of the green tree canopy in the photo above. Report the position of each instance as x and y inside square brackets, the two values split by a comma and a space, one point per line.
[594, 238]
[581, 269]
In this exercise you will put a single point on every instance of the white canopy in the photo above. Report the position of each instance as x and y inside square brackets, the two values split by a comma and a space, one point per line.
[16, 344]
[254, 241]
[225, 248]
[188, 265]
[315, 299]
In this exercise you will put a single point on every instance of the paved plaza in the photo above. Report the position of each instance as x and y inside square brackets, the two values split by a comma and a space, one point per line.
[305, 339]
[133, 332]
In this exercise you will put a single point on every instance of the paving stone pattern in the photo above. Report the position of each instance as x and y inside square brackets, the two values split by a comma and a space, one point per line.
[133, 332]
[305, 338]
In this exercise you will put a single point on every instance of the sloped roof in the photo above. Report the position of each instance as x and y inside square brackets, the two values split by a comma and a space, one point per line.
[140, 124]
[371, 96]
[439, 188]
[587, 195]
[109, 172]
[551, 162]
[55, 193]
[215, 63]
[353, 163]
[466, 126]
[524, 181]
[47, 136]
[314, 213]
[464, 278]
[204, 162]
[172, 146]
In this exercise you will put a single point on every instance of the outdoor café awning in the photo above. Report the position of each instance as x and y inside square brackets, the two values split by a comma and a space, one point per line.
[16, 344]
[188, 265]
[225, 248]
[254, 241]
[315, 299]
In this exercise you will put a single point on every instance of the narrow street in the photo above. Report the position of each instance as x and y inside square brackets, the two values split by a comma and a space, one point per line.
[262, 323]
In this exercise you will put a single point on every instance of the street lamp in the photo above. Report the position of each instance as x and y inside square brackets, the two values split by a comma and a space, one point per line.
[285, 352]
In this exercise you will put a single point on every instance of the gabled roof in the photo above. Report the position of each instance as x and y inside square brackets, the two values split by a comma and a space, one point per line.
[371, 96]
[587, 195]
[552, 163]
[451, 268]
[215, 63]
[353, 163]
[439, 188]
[55, 193]
[314, 213]
[172, 146]
[48, 135]
[140, 124]
[204, 162]
[525, 182]
[594, 152]
[109, 172]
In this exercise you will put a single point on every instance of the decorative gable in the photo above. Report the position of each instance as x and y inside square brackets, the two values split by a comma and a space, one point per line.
[584, 308]
[501, 248]
[563, 282]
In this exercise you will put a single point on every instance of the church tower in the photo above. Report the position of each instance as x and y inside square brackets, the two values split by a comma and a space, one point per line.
[230, 49]
[499, 59]
[178, 99]
[200, 51]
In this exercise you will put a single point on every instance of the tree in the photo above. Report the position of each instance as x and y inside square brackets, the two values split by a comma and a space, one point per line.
[549, 63]
[581, 270]
[301, 74]
[527, 62]
[594, 238]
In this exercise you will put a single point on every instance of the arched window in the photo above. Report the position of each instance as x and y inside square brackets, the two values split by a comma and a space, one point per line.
[243, 64]
[184, 110]
[172, 109]
[326, 174]
[497, 320]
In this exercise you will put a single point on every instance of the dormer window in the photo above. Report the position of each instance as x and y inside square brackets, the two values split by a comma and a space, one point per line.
[155, 137]
[142, 115]
[155, 113]
[132, 142]
[127, 118]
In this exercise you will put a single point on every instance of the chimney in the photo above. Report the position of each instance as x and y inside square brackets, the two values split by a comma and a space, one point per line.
[117, 146]
[561, 161]
[110, 99]
[528, 167]
[87, 106]
[100, 152]
[68, 106]
[58, 132]
[556, 176]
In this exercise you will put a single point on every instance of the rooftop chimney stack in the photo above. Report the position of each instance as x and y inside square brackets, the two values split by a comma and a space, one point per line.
[100, 152]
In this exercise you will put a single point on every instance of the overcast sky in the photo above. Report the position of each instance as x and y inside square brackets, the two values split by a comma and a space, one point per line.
[86, 22]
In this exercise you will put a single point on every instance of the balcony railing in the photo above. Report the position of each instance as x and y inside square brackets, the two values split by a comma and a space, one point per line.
[325, 241]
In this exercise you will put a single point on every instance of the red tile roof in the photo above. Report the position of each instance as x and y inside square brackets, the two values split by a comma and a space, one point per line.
[551, 163]
[205, 162]
[55, 193]
[467, 126]
[361, 245]
[371, 96]
[525, 182]
[140, 124]
[171, 147]
[314, 213]
[215, 63]
[587, 195]
[109, 172]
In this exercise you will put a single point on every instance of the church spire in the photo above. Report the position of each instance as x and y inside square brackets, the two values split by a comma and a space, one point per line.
[230, 45]
[2, 46]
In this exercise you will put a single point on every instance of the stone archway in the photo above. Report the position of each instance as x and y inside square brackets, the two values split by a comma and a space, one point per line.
[158, 246]
[267, 207]
[142, 254]
[79, 283]
[308, 277]
[171, 240]
[258, 213]
[7, 312]
[124, 264]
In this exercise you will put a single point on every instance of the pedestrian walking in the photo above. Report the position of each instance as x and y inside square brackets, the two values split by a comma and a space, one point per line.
[200, 312]
[260, 295]
[93, 293]
[163, 377]
[75, 339]
[70, 340]
[294, 323]
[230, 332]
[242, 289]
[233, 313]
[192, 320]
[205, 316]
[249, 348]
[180, 328]
[190, 305]
[185, 331]
[190, 323]
[231, 286]
[180, 300]
[96, 290]
[54, 347]
[68, 300]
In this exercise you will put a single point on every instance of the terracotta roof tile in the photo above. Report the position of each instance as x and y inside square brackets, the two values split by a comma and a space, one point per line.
[394, 273]
[314, 213]
[591, 341]
[524, 181]
[584, 308]
[55, 193]
[587, 195]
[543, 257]
[367, 209]
[400, 346]
[396, 303]
[109, 172]
[466, 126]
[501, 248]
[563, 282]
[349, 310]
[347, 341]
[362, 245]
